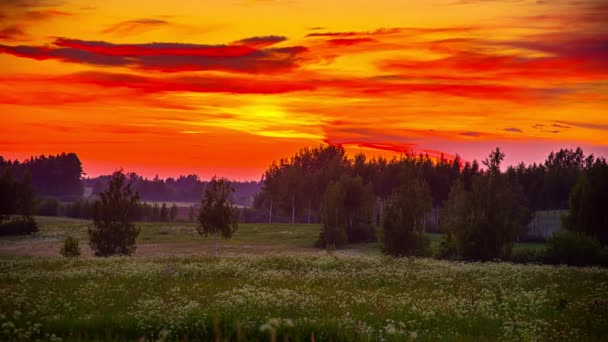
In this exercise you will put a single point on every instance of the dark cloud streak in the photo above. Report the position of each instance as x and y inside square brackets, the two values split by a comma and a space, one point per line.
[167, 57]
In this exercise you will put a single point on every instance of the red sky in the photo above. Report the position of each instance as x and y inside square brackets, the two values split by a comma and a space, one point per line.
[226, 87]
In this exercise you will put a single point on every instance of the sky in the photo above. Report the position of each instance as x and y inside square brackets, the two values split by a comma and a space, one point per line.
[226, 87]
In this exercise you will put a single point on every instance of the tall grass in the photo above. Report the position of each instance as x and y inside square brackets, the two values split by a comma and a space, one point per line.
[298, 298]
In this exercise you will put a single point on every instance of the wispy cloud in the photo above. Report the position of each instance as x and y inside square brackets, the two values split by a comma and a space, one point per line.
[513, 129]
[16, 17]
[135, 26]
[589, 125]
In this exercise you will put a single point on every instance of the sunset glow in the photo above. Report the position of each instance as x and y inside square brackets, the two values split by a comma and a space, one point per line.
[226, 87]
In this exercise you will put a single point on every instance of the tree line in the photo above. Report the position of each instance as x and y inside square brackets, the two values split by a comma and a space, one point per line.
[483, 208]
[85, 208]
[56, 176]
[295, 187]
[185, 188]
[61, 177]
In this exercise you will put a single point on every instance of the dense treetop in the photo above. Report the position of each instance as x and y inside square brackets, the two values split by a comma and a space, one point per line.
[58, 176]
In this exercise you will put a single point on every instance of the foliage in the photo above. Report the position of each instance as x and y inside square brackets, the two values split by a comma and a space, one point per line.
[8, 195]
[447, 247]
[294, 187]
[26, 197]
[113, 231]
[217, 213]
[70, 247]
[19, 226]
[173, 212]
[562, 171]
[403, 219]
[528, 256]
[80, 208]
[331, 236]
[347, 213]
[573, 248]
[57, 176]
[588, 204]
[191, 216]
[164, 213]
[47, 207]
[188, 188]
[485, 221]
[16, 198]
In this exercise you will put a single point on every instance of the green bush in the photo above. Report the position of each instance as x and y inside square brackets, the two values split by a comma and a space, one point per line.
[19, 226]
[447, 248]
[402, 222]
[573, 248]
[47, 207]
[331, 235]
[527, 256]
[70, 247]
[361, 232]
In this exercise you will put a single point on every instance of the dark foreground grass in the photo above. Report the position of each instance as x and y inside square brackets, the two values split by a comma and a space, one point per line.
[298, 298]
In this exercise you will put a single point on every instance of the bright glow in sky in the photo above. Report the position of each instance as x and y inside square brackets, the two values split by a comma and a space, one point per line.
[226, 87]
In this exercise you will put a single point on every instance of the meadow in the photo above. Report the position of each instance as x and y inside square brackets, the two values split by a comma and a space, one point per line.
[181, 239]
[271, 284]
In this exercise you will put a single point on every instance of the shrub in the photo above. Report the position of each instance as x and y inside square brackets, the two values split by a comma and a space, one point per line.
[361, 232]
[486, 218]
[331, 235]
[588, 202]
[19, 226]
[347, 212]
[80, 208]
[70, 247]
[47, 207]
[447, 248]
[403, 220]
[527, 256]
[573, 248]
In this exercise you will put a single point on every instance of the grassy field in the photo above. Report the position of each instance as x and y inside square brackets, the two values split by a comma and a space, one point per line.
[298, 297]
[271, 284]
[181, 239]
[172, 238]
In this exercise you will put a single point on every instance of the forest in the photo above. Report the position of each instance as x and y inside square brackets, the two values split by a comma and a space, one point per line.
[294, 187]
[61, 178]
[481, 208]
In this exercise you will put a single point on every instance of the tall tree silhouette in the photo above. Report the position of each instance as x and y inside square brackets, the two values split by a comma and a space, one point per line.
[113, 231]
[217, 214]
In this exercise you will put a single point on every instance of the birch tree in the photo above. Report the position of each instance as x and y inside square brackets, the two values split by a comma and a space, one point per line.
[217, 216]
